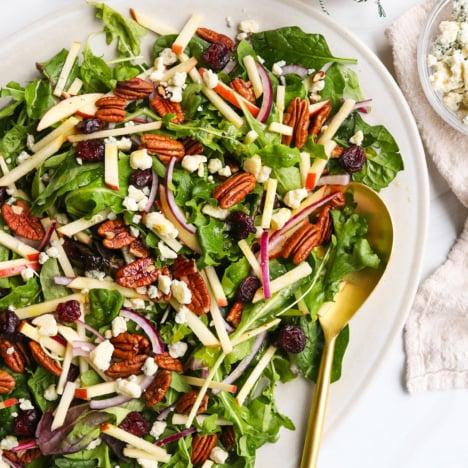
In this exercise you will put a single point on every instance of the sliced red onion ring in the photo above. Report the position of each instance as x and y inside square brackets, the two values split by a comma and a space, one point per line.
[153, 192]
[174, 437]
[175, 209]
[334, 179]
[63, 280]
[25, 446]
[48, 234]
[267, 100]
[148, 328]
[165, 412]
[264, 264]
[299, 70]
[91, 329]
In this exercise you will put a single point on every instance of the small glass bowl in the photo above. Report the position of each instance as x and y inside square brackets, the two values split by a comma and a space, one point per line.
[441, 11]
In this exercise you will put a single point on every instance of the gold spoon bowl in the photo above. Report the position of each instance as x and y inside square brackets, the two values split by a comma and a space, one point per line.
[357, 288]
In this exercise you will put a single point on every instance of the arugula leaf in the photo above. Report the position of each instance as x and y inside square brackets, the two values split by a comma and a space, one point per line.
[97, 76]
[38, 383]
[16, 92]
[39, 98]
[296, 46]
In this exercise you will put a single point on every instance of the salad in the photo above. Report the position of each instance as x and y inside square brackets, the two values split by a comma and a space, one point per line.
[171, 228]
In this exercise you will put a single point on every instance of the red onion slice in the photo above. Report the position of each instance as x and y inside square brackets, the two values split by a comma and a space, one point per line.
[267, 100]
[25, 446]
[334, 179]
[147, 327]
[264, 264]
[174, 437]
[63, 280]
[299, 70]
[153, 192]
[91, 329]
[165, 412]
[48, 234]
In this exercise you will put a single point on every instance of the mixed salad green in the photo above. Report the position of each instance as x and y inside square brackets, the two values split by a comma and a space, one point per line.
[164, 255]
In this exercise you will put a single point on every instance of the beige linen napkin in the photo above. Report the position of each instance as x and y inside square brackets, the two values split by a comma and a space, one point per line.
[436, 333]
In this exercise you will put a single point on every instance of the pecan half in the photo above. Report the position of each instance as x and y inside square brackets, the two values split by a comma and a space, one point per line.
[133, 89]
[39, 355]
[192, 146]
[141, 272]
[163, 106]
[116, 234]
[319, 119]
[128, 345]
[228, 437]
[22, 457]
[138, 249]
[297, 117]
[7, 382]
[185, 402]
[212, 36]
[235, 313]
[244, 88]
[183, 267]
[21, 221]
[202, 447]
[111, 109]
[166, 361]
[126, 368]
[234, 189]
[301, 243]
[163, 146]
[12, 356]
[158, 387]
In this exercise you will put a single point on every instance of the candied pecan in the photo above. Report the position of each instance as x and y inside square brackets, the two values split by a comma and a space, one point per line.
[141, 272]
[244, 88]
[166, 361]
[116, 234]
[234, 189]
[163, 146]
[158, 387]
[319, 119]
[44, 360]
[192, 146]
[235, 313]
[126, 368]
[111, 109]
[21, 221]
[7, 382]
[202, 445]
[228, 437]
[212, 36]
[185, 402]
[133, 89]
[12, 356]
[138, 249]
[297, 117]
[301, 243]
[163, 106]
[128, 345]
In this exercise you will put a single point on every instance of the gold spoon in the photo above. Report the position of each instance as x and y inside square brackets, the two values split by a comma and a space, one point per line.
[358, 286]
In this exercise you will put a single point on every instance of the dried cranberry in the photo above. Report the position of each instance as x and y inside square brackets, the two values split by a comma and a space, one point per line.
[141, 177]
[247, 289]
[136, 424]
[240, 224]
[9, 322]
[90, 150]
[353, 159]
[25, 423]
[3, 194]
[216, 56]
[68, 311]
[89, 125]
[73, 373]
[291, 338]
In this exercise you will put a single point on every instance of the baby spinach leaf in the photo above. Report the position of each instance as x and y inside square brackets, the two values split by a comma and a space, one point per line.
[104, 306]
[51, 290]
[38, 384]
[21, 295]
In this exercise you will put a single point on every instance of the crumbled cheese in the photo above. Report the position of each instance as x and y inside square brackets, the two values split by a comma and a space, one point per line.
[294, 197]
[159, 223]
[248, 26]
[225, 171]
[164, 284]
[27, 274]
[178, 349]
[174, 93]
[253, 165]
[129, 387]
[10, 350]
[181, 292]
[23, 156]
[25, 404]
[264, 174]
[166, 252]
[47, 325]
[119, 325]
[214, 165]
[168, 57]
[135, 303]
[153, 292]
[94, 443]
[147, 463]
[277, 68]
[101, 355]
[52, 252]
[178, 79]
[95, 274]
[136, 200]
[158, 429]
[136, 219]
[218, 455]
[149, 367]
[50, 393]
[192, 163]
[124, 144]
[280, 217]
[8, 443]
[357, 138]
[210, 79]
[140, 159]
[181, 315]
[215, 212]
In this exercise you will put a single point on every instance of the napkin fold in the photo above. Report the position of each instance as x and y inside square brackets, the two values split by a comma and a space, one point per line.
[436, 332]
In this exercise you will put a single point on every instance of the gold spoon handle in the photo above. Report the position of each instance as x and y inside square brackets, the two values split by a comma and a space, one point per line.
[319, 405]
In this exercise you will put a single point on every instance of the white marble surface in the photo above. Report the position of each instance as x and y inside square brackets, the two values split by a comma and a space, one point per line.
[387, 428]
